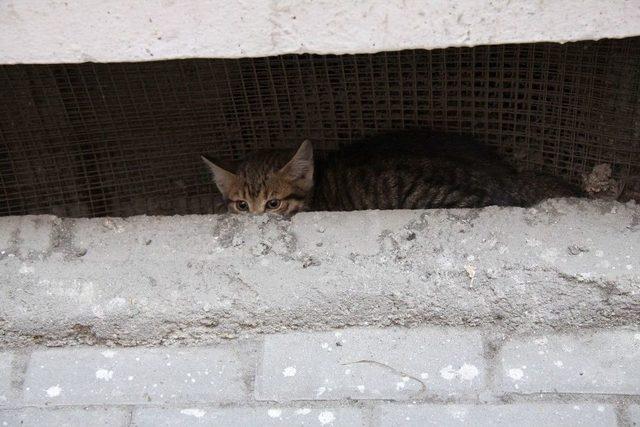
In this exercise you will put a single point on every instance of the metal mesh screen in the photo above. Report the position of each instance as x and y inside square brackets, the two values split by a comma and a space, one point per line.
[124, 139]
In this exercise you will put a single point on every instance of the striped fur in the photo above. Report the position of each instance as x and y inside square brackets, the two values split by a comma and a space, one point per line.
[393, 171]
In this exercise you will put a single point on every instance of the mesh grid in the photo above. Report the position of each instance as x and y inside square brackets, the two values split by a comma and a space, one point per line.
[125, 139]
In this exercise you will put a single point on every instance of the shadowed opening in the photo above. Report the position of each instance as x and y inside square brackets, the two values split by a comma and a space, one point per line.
[121, 139]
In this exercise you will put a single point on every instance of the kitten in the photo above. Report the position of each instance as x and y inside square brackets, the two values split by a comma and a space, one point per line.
[393, 171]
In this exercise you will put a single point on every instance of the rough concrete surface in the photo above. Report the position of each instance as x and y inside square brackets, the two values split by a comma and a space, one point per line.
[59, 31]
[197, 279]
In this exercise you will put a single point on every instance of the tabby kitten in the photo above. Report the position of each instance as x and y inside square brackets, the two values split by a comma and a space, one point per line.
[393, 171]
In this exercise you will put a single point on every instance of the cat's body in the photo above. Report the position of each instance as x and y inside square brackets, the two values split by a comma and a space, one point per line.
[407, 170]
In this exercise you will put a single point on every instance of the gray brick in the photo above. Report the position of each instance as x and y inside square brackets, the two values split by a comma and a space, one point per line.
[633, 413]
[370, 364]
[5, 377]
[263, 416]
[594, 362]
[141, 375]
[521, 415]
[68, 417]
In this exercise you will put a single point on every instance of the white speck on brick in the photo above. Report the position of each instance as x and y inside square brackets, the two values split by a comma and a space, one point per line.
[515, 374]
[289, 371]
[54, 391]
[400, 385]
[637, 337]
[558, 363]
[130, 378]
[194, 412]
[326, 417]
[458, 414]
[303, 411]
[103, 374]
[360, 388]
[325, 345]
[466, 372]
[541, 341]
[320, 391]
[274, 412]
[108, 354]
[424, 375]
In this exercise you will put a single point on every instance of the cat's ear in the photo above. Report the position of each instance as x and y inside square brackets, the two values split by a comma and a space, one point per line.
[300, 167]
[223, 178]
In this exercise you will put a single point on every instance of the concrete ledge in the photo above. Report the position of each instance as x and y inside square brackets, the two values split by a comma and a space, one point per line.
[58, 31]
[199, 279]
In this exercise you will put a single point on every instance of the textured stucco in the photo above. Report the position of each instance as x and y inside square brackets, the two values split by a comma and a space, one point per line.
[57, 31]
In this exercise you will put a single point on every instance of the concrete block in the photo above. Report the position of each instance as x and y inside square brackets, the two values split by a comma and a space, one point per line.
[134, 375]
[371, 364]
[68, 417]
[196, 279]
[521, 415]
[591, 362]
[245, 416]
[6, 359]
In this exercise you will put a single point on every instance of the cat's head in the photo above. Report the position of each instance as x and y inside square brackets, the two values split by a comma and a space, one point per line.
[271, 181]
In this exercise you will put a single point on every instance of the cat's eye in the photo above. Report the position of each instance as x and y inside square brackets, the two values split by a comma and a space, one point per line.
[241, 205]
[273, 204]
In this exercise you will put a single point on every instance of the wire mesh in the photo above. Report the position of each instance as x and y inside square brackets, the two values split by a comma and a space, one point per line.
[122, 139]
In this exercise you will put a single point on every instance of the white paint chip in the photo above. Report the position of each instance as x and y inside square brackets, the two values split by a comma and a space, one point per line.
[54, 391]
[104, 374]
[289, 371]
[326, 417]
[194, 412]
[515, 374]
[466, 372]
[274, 412]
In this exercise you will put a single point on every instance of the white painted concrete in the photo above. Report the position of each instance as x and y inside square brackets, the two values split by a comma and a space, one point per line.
[55, 31]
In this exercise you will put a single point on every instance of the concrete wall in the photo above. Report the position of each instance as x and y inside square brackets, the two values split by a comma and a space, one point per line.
[195, 279]
[56, 31]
